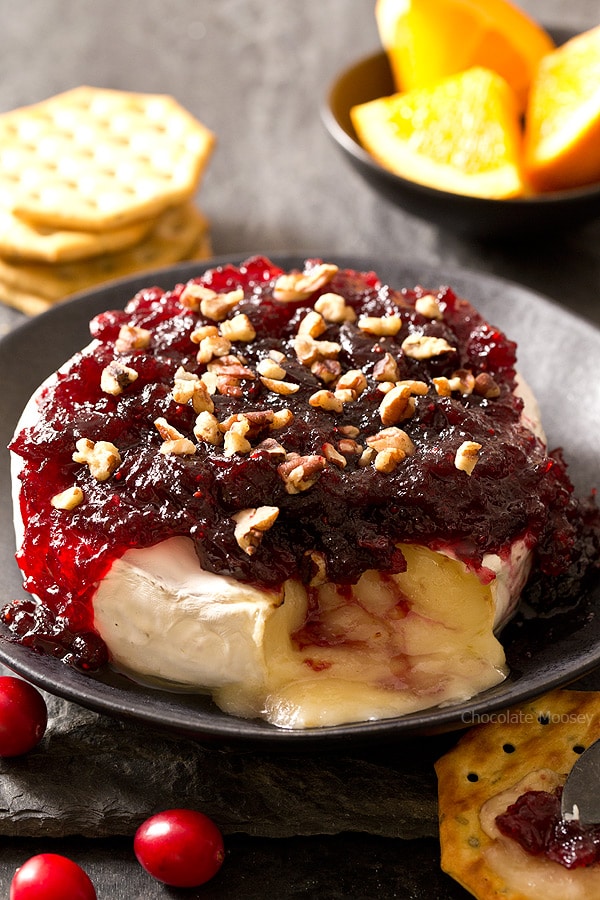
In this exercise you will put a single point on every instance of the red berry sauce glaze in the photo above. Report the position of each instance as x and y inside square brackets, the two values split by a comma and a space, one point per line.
[535, 822]
[302, 444]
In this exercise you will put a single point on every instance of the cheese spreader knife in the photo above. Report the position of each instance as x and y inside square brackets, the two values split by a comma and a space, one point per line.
[581, 793]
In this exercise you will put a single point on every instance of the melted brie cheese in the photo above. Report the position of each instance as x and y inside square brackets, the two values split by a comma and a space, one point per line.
[390, 645]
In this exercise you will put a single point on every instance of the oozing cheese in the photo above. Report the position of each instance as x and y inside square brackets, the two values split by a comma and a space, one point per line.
[392, 645]
[388, 646]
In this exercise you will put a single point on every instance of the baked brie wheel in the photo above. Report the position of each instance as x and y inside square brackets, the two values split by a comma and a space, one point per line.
[312, 495]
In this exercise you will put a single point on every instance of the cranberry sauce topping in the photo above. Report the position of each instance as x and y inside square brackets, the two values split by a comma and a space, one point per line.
[535, 822]
[347, 422]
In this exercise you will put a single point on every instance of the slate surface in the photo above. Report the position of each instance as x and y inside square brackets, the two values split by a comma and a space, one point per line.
[96, 776]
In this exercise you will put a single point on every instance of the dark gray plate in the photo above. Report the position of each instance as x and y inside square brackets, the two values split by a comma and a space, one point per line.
[559, 356]
[557, 211]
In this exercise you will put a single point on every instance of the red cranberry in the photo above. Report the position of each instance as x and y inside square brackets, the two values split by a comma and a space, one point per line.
[23, 716]
[51, 877]
[179, 847]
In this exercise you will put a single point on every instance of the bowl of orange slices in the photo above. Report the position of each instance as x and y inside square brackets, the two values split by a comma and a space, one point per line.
[475, 117]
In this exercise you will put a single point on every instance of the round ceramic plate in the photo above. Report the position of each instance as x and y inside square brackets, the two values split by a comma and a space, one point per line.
[559, 354]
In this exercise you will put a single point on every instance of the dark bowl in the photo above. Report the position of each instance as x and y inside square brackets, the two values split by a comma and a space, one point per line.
[371, 78]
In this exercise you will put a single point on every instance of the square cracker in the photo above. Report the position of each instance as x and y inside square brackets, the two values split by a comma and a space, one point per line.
[533, 746]
[178, 234]
[93, 159]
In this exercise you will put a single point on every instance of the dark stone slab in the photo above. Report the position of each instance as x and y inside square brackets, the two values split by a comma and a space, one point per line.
[96, 776]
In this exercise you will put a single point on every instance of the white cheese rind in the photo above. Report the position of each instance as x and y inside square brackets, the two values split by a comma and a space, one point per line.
[165, 618]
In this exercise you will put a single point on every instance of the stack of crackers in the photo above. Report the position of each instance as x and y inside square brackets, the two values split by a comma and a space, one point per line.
[97, 184]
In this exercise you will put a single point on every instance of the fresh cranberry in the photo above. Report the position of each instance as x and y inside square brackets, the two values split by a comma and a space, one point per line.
[179, 847]
[49, 876]
[23, 716]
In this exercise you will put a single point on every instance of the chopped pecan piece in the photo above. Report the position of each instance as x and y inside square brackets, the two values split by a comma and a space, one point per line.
[352, 380]
[229, 387]
[174, 443]
[211, 346]
[308, 350]
[131, 337]
[313, 324]
[367, 457]
[203, 331]
[301, 472]
[211, 304]
[424, 346]
[240, 328]
[485, 386]
[345, 395]
[209, 380]
[256, 421]
[271, 369]
[235, 437]
[381, 326]
[187, 387]
[467, 456]
[280, 387]
[300, 285]
[230, 373]
[191, 296]
[326, 400]
[334, 308]
[350, 431]
[415, 387]
[231, 366]
[333, 456]
[116, 377]
[391, 439]
[462, 380]
[428, 306]
[251, 524]
[397, 405]
[318, 567]
[68, 499]
[259, 419]
[102, 457]
[349, 447]
[386, 369]
[326, 370]
[274, 449]
[281, 418]
[207, 429]
[178, 447]
[387, 460]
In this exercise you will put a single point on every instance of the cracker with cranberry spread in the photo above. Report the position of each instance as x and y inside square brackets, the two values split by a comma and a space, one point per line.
[501, 829]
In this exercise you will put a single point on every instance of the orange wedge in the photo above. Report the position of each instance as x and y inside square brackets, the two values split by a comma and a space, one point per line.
[426, 40]
[462, 135]
[562, 133]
